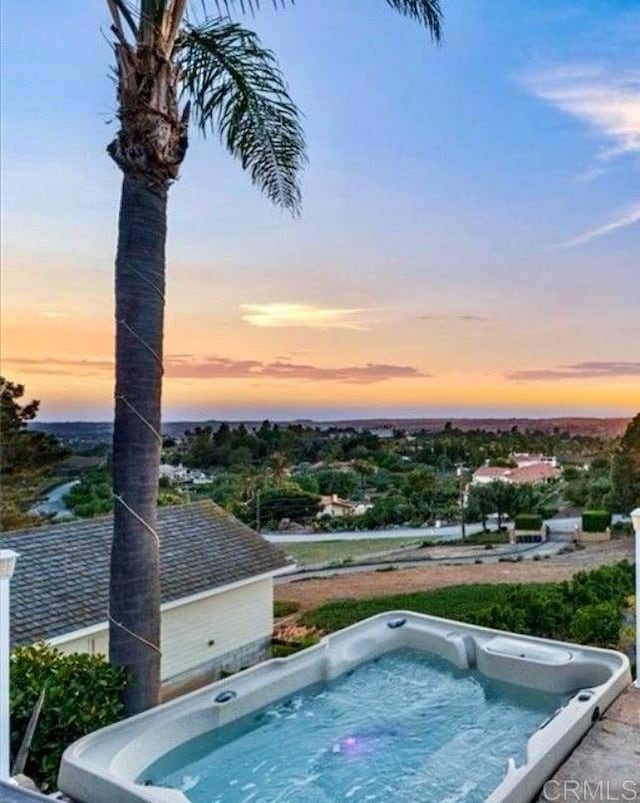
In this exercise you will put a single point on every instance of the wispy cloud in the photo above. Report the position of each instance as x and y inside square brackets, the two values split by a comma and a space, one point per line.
[186, 366]
[607, 101]
[63, 367]
[580, 370]
[224, 368]
[627, 218]
[281, 314]
[469, 318]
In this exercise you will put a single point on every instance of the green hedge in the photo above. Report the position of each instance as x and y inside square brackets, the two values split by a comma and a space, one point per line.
[588, 608]
[595, 521]
[528, 521]
[82, 694]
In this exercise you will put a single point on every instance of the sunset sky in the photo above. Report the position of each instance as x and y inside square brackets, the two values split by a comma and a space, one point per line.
[469, 243]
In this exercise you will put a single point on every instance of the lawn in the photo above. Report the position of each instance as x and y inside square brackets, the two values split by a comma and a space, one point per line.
[340, 551]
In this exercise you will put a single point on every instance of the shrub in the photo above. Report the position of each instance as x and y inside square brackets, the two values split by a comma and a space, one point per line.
[597, 624]
[82, 693]
[595, 521]
[285, 607]
[528, 521]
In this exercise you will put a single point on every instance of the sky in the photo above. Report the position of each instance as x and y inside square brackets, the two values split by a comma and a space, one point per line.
[469, 243]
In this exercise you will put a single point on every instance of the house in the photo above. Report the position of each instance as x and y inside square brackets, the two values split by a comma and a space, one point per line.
[332, 505]
[216, 579]
[174, 474]
[519, 475]
[178, 475]
[525, 459]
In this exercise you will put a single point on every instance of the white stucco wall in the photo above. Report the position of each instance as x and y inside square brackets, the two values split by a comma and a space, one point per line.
[230, 619]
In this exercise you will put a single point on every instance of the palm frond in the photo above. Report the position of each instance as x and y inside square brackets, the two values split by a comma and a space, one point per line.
[237, 90]
[251, 6]
[426, 12]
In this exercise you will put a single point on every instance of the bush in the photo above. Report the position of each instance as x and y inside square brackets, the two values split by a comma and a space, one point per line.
[82, 693]
[595, 521]
[528, 521]
[285, 607]
[587, 609]
[597, 624]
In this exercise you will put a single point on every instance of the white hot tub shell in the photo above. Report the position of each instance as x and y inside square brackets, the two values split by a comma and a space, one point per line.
[104, 766]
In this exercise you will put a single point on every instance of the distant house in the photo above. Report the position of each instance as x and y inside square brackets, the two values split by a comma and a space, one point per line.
[520, 475]
[217, 590]
[526, 459]
[179, 475]
[332, 505]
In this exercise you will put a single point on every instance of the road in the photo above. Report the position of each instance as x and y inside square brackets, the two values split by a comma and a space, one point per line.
[53, 504]
[452, 533]
[434, 533]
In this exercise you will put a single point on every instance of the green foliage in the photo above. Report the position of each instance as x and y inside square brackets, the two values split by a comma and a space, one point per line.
[237, 90]
[286, 502]
[595, 521]
[457, 602]
[625, 470]
[285, 607]
[81, 694]
[599, 624]
[528, 521]
[552, 610]
[25, 457]
[92, 495]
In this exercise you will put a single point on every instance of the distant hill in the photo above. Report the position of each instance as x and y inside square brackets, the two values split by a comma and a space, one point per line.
[85, 434]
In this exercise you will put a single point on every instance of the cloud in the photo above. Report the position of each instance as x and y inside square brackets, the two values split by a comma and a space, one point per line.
[57, 367]
[224, 368]
[186, 366]
[468, 318]
[628, 218]
[607, 102]
[281, 314]
[580, 370]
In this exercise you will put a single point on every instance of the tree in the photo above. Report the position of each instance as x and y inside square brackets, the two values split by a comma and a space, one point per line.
[286, 502]
[480, 503]
[171, 69]
[23, 449]
[26, 454]
[625, 471]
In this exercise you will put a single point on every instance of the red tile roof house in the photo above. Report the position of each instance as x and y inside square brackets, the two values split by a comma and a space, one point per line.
[529, 474]
[217, 591]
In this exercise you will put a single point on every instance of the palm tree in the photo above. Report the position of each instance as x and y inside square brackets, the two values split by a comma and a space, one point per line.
[171, 69]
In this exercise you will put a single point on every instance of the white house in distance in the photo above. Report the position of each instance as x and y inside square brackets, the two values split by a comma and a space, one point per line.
[332, 505]
[217, 590]
[529, 469]
[179, 475]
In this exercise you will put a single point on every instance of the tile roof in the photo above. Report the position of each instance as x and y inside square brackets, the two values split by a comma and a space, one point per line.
[61, 581]
[533, 473]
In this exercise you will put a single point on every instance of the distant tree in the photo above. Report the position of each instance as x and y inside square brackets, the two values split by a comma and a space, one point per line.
[342, 483]
[23, 449]
[285, 502]
[480, 503]
[25, 455]
[625, 472]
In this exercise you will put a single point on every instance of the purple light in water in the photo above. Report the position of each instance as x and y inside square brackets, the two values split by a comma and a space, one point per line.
[351, 746]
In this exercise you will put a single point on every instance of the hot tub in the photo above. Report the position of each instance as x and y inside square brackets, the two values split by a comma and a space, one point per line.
[401, 706]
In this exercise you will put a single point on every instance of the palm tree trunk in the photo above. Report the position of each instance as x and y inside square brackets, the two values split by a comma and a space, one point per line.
[134, 627]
